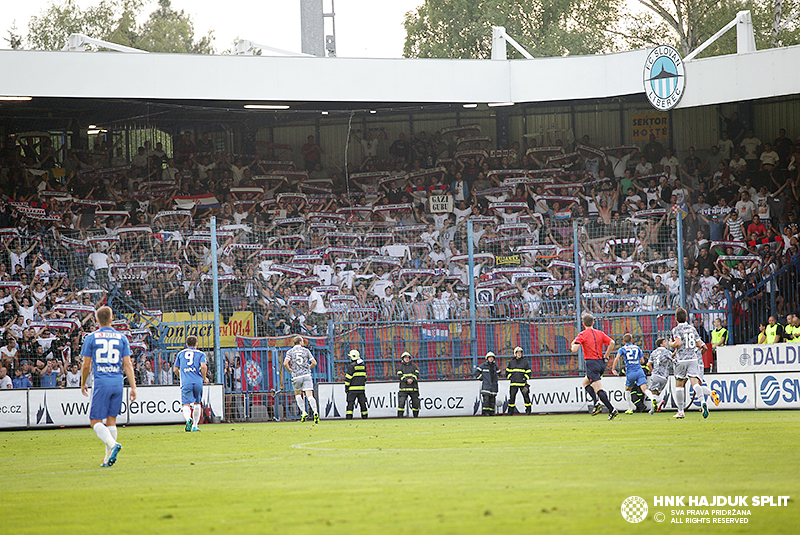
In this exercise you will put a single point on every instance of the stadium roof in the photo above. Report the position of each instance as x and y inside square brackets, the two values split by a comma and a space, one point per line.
[222, 83]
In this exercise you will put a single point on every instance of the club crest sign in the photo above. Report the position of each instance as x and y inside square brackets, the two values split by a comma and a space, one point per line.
[664, 77]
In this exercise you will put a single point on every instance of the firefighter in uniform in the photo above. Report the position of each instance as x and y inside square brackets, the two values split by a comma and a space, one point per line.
[355, 380]
[518, 372]
[774, 331]
[488, 373]
[409, 387]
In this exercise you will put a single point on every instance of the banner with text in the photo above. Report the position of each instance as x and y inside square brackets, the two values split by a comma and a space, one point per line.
[759, 358]
[644, 124]
[67, 407]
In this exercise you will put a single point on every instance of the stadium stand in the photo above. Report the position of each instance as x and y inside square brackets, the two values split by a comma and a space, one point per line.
[305, 250]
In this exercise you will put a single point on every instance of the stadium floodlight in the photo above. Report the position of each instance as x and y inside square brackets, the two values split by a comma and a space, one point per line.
[266, 106]
[470, 105]
[10, 98]
[499, 104]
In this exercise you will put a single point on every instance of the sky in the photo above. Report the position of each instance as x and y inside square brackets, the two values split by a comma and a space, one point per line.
[364, 28]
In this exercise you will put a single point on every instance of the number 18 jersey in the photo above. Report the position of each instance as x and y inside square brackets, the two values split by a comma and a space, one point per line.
[689, 337]
[106, 347]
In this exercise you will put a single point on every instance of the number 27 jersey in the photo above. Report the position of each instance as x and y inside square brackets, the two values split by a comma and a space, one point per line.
[106, 347]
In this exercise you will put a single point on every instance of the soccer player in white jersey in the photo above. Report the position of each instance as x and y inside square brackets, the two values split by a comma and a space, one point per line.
[686, 340]
[106, 353]
[658, 363]
[299, 362]
[192, 367]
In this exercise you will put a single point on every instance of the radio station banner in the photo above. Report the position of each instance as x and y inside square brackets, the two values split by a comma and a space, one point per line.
[644, 124]
[67, 407]
[182, 324]
[759, 358]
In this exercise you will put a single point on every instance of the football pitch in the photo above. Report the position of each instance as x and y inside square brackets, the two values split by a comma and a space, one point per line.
[560, 474]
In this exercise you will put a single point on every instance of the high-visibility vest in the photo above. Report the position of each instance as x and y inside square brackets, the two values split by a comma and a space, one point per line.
[795, 330]
[772, 333]
[719, 337]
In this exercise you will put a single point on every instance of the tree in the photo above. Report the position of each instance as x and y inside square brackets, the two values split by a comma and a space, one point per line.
[115, 21]
[686, 24]
[14, 39]
[168, 30]
[49, 30]
[463, 28]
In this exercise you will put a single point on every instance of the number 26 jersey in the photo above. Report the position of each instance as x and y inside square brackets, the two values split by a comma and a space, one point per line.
[106, 347]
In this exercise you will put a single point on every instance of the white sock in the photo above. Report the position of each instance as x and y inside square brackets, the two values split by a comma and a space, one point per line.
[627, 395]
[300, 403]
[113, 430]
[187, 412]
[313, 403]
[706, 390]
[196, 414]
[648, 394]
[698, 391]
[680, 398]
[104, 434]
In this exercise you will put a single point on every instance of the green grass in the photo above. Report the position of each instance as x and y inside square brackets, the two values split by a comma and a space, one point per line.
[560, 474]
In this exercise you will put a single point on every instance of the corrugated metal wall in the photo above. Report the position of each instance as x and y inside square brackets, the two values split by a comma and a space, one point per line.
[605, 124]
[773, 114]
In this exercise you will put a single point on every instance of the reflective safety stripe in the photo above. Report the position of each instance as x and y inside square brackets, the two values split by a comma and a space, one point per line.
[359, 374]
[352, 388]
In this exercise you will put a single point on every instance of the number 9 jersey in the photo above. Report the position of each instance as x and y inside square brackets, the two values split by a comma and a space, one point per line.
[106, 347]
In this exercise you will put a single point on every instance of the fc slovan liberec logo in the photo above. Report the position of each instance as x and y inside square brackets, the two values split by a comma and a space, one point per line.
[664, 77]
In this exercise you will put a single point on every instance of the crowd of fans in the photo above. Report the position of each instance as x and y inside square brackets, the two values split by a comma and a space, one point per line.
[301, 243]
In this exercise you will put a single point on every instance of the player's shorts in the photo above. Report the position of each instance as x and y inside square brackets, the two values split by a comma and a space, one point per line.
[302, 383]
[595, 369]
[634, 379]
[191, 393]
[106, 401]
[687, 368]
[701, 371]
[657, 383]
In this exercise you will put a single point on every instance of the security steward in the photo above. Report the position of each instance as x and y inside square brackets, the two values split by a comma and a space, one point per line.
[409, 386]
[774, 331]
[355, 380]
[518, 372]
[792, 330]
[488, 373]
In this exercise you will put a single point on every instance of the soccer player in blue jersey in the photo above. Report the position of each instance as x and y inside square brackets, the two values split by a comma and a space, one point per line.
[634, 375]
[106, 353]
[192, 367]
